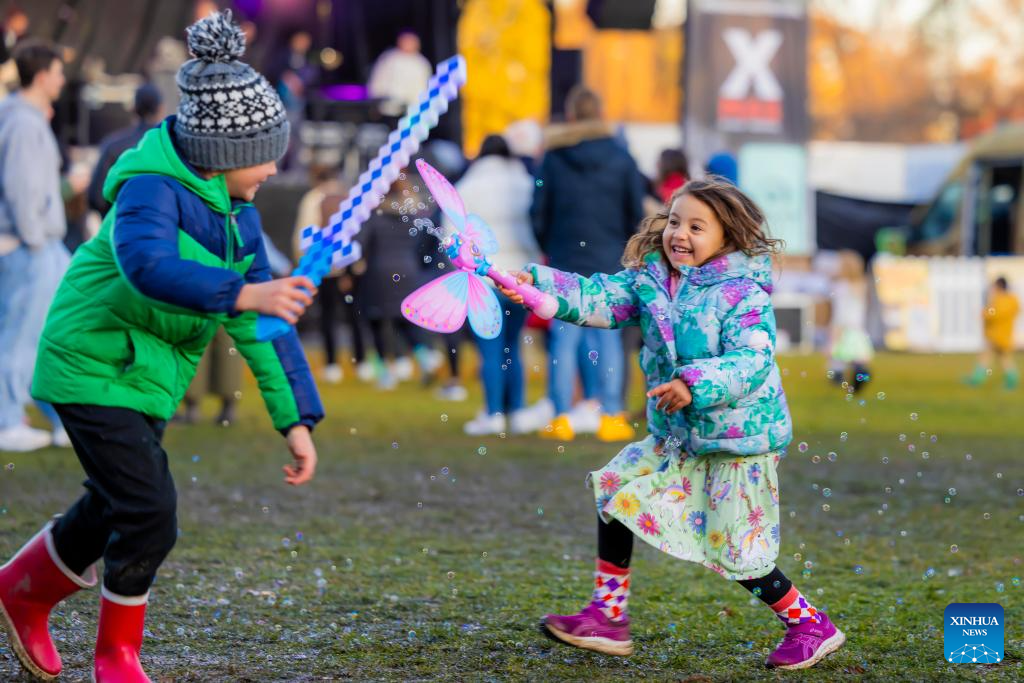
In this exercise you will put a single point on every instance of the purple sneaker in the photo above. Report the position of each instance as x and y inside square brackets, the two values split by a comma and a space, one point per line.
[590, 630]
[806, 644]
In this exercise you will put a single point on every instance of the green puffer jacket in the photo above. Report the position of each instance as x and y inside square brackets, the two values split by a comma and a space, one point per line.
[142, 300]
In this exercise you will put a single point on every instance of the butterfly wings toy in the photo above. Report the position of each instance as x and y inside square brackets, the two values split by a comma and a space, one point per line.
[443, 305]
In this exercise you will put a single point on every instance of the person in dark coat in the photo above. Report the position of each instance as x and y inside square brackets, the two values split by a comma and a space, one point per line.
[586, 205]
[394, 268]
[149, 112]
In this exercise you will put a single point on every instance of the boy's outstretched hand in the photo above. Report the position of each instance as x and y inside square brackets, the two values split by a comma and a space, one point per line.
[520, 277]
[285, 297]
[672, 396]
[300, 443]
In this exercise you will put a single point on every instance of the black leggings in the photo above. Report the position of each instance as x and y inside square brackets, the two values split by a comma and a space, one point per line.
[615, 545]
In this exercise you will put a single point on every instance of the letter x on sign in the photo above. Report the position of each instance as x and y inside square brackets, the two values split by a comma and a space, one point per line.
[753, 56]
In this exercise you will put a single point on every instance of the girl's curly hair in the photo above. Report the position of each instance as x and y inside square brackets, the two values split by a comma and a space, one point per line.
[741, 219]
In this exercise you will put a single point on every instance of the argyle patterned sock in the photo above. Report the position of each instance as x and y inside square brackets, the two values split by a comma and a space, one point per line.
[611, 589]
[794, 609]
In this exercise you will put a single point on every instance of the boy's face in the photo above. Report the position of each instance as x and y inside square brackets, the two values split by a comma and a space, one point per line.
[244, 182]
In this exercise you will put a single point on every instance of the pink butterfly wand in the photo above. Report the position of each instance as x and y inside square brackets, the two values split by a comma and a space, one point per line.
[443, 304]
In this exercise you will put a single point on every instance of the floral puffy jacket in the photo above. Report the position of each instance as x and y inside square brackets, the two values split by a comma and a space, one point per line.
[717, 333]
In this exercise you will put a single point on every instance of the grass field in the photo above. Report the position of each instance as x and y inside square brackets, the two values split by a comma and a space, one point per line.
[422, 554]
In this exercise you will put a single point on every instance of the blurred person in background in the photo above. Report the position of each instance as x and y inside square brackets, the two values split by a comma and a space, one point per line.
[336, 291]
[498, 188]
[587, 202]
[33, 257]
[998, 317]
[293, 75]
[400, 74]
[149, 111]
[673, 172]
[15, 29]
[850, 348]
[393, 270]
[724, 165]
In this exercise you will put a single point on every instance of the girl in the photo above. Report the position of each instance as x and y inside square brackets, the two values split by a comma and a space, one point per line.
[702, 486]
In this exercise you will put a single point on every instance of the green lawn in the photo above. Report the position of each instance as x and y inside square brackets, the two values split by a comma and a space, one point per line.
[422, 554]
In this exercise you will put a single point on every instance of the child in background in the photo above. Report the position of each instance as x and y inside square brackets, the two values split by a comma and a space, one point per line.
[1000, 312]
[673, 172]
[850, 344]
[179, 254]
[703, 485]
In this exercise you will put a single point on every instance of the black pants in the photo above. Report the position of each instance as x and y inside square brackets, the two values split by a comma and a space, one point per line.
[331, 301]
[128, 513]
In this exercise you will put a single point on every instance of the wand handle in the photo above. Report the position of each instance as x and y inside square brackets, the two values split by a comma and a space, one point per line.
[544, 305]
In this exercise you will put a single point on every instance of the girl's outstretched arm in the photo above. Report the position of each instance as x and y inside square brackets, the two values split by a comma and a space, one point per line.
[602, 300]
[748, 354]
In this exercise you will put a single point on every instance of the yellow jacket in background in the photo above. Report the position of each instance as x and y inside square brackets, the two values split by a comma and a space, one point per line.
[999, 315]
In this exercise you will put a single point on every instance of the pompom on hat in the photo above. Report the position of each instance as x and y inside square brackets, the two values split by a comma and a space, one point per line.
[229, 115]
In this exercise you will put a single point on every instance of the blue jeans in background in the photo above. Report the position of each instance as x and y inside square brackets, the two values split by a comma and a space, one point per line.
[28, 281]
[502, 372]
[575, 347]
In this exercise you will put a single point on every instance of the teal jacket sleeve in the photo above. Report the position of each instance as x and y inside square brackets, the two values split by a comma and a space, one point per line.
[601, 300]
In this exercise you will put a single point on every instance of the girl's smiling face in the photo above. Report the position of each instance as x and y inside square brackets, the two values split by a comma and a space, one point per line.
[693, 235]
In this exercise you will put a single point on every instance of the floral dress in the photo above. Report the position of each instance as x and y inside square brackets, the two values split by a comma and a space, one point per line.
[703, 486]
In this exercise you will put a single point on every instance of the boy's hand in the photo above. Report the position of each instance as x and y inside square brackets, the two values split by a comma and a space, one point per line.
[672, 396]
[520, 277]
[300, 443]
[285, 298]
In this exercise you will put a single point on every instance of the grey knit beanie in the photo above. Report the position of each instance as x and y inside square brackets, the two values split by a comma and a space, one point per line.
[229, 115]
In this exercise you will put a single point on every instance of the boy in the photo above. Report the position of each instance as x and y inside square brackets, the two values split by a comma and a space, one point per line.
[179, 254]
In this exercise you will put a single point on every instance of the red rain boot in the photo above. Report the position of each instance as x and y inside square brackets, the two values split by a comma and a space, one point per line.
[31, 584]
[119, 639]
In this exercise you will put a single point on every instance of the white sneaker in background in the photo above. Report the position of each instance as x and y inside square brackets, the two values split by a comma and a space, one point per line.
[60, 438]
[452, 392]
[22, 438]
[402, 368]
[333, 374]
[365, 371]
[527, 420]
[542, 412]
[484, 424]
[585, 417]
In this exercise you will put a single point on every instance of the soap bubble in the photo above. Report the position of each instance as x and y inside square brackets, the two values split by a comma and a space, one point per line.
[593, 355]
[880, 395]
[482, 450]
[444, 417]
[802, 447]
[913, 416]
[843, 436]
[857, 569]
[396, 277]
[954, 548]
[832, 455]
